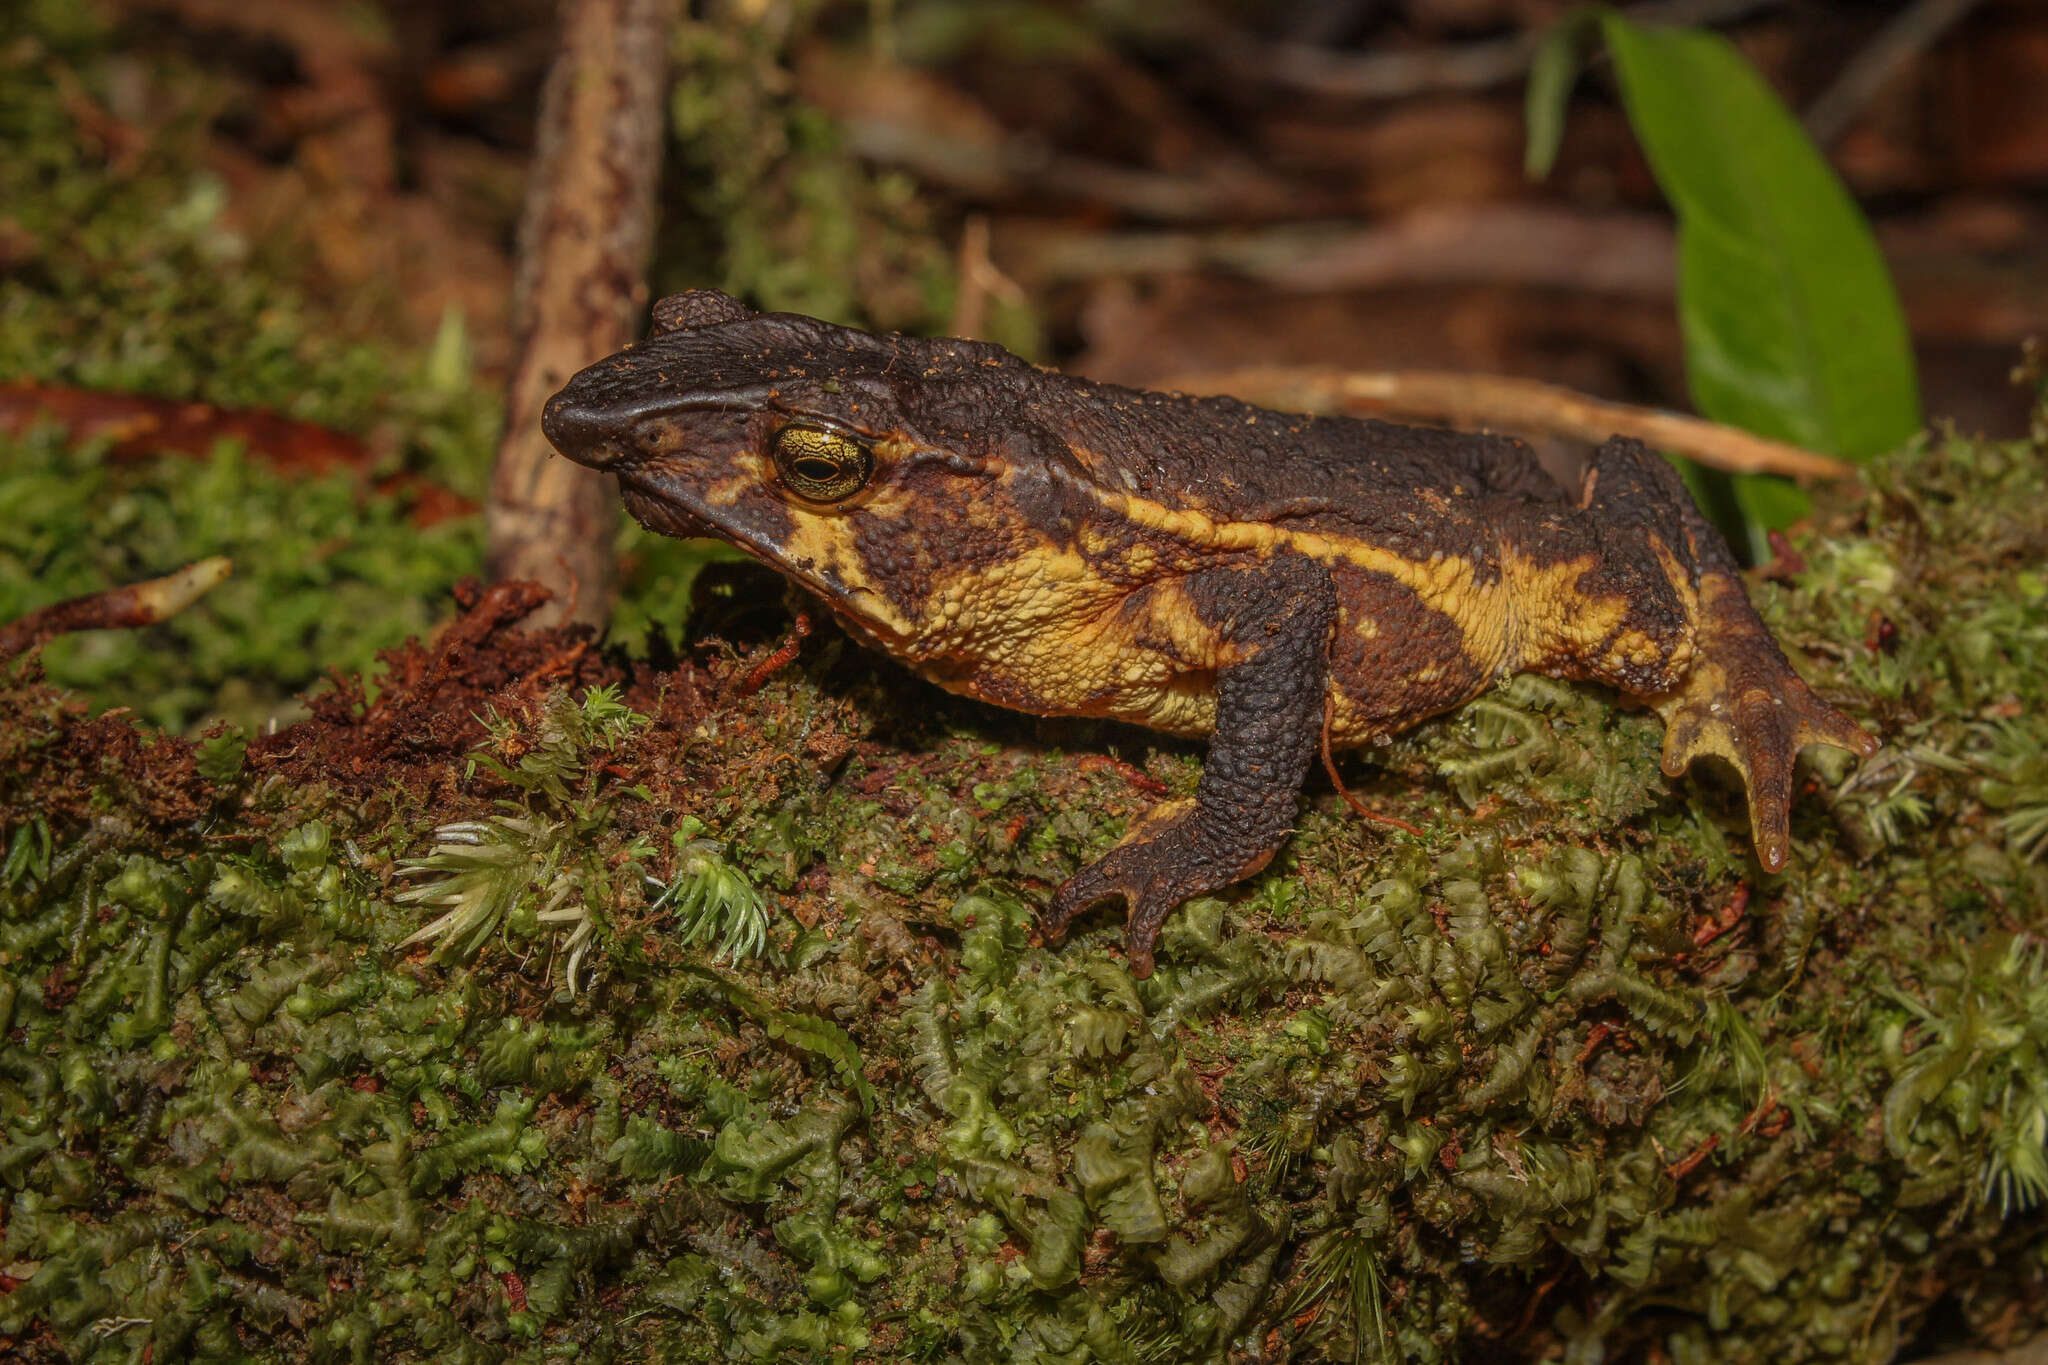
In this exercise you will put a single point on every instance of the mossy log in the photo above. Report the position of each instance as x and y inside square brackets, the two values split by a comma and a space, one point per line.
[730, 1038]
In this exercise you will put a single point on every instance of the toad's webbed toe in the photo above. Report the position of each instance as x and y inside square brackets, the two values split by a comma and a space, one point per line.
[1741, 701]
[1680, 633]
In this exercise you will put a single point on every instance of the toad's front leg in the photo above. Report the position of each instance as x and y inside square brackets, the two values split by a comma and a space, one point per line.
[1273, 622]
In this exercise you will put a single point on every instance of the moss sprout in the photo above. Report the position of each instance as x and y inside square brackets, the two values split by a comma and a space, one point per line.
[713, 902]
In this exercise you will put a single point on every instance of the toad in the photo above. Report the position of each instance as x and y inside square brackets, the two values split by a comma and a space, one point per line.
[1197, 565]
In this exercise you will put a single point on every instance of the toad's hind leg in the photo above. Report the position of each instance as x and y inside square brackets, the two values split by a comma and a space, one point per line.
[1737, 698]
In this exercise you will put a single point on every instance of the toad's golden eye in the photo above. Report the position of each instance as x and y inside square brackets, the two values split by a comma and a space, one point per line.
[821, 465]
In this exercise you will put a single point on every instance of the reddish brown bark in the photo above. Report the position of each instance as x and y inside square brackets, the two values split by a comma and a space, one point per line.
[582, 284]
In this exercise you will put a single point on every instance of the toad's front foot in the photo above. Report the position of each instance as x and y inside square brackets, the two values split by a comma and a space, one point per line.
[1172, 854]
[1276, 620]
[1741, 701]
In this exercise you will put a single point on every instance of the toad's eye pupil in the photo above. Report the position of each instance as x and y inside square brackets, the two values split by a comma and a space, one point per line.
[820, 465]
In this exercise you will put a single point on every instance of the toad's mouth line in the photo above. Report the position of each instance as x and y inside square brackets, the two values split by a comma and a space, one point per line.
[661, 510]
[665, 512]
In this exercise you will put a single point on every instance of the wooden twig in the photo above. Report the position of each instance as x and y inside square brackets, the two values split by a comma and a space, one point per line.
[137, 604]
[1912, 31]
[1396, 74]
[1628, 255]
[979, 281]
[1501, 402]
[584, 246]
[1687, 1164]
[1951, 292]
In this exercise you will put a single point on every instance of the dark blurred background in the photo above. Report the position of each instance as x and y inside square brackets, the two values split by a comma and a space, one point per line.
[1135, 189]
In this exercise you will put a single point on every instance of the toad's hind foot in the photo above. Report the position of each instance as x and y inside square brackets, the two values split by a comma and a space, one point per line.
[1741, 701]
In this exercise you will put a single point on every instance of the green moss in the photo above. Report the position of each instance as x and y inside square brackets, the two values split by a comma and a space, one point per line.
[325, 575]
[124, 277]
[811, 1090]
[734, 1041]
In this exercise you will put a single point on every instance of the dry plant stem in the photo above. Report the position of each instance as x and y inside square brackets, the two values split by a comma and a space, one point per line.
[137, 604]
[1358, 807]
[1951, 292]
[584, 247]
[1629, 255]
[1910, 33]
[1397, 74]
[979, 280]
[1500, 402]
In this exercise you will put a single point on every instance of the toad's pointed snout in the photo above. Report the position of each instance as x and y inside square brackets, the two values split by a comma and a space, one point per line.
[585, 432]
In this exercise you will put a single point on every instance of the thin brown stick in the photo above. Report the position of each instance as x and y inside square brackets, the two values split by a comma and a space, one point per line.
[1626, 255]
[784, 655]
[136, 604]
[1910, 32]
[1950, 292]
[584, 247]
[1491, 401]
[1399, 73]
[1687, 1164]
[1358, 807]
[979, 281]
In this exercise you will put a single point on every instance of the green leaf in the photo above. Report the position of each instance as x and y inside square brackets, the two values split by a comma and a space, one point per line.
[1553, 71]
[1792, 328]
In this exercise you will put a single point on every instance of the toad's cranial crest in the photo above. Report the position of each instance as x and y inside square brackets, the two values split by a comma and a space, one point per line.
[1200, 566]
